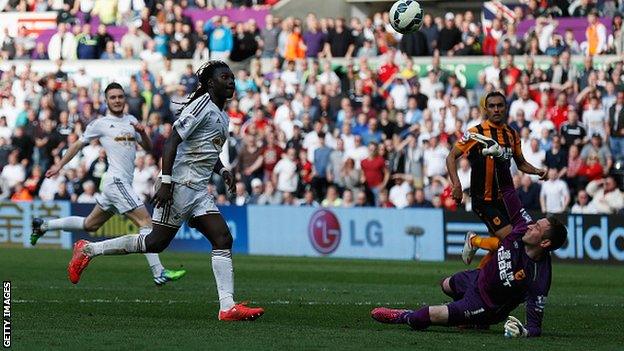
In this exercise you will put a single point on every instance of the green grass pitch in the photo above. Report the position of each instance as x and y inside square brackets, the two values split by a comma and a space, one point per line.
[310, 303]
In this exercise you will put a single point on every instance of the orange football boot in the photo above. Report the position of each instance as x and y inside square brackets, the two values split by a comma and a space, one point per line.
[240, 312]
[79, 261]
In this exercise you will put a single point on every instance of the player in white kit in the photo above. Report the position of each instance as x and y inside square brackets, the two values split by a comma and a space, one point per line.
[118, 133]
[190, 156]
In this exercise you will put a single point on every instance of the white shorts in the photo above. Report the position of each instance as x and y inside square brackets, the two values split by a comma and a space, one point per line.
[117, 196]
[187, 203]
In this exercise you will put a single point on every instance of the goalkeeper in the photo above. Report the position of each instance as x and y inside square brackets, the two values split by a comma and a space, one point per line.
[484, 190]
[519, 271]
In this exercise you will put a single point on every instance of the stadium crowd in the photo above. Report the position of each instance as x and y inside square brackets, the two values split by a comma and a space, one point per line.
[309, 133]
[155, 29]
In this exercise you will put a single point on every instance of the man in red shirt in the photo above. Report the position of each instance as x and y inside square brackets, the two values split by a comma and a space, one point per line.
[510, 75]
[374, 170]
[388, 69]
[559, 113]
[271, 154]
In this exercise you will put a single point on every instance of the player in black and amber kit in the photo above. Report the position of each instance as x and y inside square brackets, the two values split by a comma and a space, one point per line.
[484, 191]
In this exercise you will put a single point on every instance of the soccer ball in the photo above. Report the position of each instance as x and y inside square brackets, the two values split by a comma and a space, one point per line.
[406, 16]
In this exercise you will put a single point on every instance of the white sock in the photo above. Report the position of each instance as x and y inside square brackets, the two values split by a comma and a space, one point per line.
[73, 223]
[118, 246]
[152, 258]
[224, 276]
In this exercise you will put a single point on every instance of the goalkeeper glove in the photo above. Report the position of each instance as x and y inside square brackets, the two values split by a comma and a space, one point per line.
[490, 146]
[515, 329]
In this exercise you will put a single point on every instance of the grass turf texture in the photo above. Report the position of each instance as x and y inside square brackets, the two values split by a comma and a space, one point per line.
[310, 304]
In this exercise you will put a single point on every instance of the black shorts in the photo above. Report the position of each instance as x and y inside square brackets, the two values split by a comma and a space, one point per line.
[492, 213]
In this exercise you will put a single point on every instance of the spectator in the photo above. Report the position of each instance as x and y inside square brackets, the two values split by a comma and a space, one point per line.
[285, 173]
[340, 42]
[321, 167]
[431, 32]
[269, 35]
[21, 194]
[572, 132]
[529, 193]
[520, 121]
[616, 126]
[434, 158]
[582, 205]
[606, 197]
[383, 201]
[62, 194]
[590, 169]
[418, 200]
[87, 48]
[241, 197]
[449, 36]
[554, 195]
[244, 44]
[332, 199]
[595, 118]
[535, 156]
[595, 34]
[347, 199]
[109, 52]
[221, 41]
[135, 40]
[558, 114]
[596, 147]
[88, 195]
[256, 192]
[62, 44]
[375, 175]
[556, 157]
[414, 44]
[398, 192]
[14, 172]
[524, 103]
[269, 196]
[295, 47]
[308, 199]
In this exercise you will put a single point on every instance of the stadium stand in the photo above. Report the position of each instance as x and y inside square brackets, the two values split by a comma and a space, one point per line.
[328, 111]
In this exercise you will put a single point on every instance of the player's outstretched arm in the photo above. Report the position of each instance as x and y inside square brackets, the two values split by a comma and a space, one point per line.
[146, 142]
[526, 167]
[451, 166]
[69, 155]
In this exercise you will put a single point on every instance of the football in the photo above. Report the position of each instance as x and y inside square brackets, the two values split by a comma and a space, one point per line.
[406, 16]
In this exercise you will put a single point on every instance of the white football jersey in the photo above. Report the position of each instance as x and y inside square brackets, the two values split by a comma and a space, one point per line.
[119, 139]
[203, 128]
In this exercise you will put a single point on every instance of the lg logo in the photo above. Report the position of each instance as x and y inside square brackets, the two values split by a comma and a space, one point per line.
[324, 231]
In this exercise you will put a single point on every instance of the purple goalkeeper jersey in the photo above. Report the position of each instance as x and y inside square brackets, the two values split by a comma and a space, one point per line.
[511, 276]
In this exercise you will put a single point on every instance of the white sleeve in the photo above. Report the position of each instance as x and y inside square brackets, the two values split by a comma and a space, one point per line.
[137, 135]
[91, 132]
[187, 123]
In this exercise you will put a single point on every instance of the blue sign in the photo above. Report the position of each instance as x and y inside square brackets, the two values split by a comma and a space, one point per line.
[189, 239]
[351, 233]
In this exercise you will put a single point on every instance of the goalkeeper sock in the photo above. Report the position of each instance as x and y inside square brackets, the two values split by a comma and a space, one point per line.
[419, 319]
[118, 246]
[224, 276]
[490, 243]
[73, 223]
